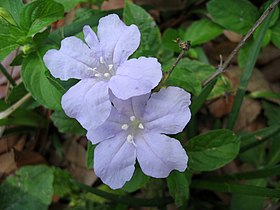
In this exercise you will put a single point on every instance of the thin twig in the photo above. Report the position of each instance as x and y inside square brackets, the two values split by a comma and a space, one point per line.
[185, 46]
[222, 68]
[12, 108]
[7, 75]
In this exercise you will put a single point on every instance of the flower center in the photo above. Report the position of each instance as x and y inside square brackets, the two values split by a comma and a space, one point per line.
[104, 71]
[133, 126]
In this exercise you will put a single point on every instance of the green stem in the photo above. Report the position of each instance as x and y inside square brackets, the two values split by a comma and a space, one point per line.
[252, 58]
[7, 75]
[235, 188]
[131, 201]
[256, 174]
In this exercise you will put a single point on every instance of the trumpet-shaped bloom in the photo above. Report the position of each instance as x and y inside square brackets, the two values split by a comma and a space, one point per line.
[136, 129]
[101, 64]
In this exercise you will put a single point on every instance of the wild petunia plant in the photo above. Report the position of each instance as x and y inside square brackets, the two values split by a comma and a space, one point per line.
[101, 64]
[129, 122]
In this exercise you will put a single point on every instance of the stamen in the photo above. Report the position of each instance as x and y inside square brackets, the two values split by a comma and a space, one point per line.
[129, 138]
[97, 75]
[125, 127]
[106, 75]
[92, 69]
[132, 118]
[101, 59]
[110, 67]
[141, 126]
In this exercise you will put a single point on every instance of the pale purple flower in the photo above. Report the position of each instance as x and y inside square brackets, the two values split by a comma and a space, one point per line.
[136, 129]
[101, 64]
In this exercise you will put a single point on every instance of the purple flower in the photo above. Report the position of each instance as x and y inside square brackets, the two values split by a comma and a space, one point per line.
[101, 64]
[135, 129]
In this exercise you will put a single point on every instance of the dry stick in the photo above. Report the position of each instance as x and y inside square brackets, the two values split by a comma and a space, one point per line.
[222, 68]
[12, 108]
[185, 46]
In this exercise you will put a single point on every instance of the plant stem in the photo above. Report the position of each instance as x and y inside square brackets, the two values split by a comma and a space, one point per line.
[248, 69]
[7, 75]
[223, 67]
[131, 201]
[12, 108]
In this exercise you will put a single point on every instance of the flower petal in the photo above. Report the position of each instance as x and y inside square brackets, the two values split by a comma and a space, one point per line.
[111, 128]
[73, 60]
[91, 38]
[132, 106]
[158, 154]
[114, 161]
[168, 111]
[87, 102]
[117, 40]
[136, 77]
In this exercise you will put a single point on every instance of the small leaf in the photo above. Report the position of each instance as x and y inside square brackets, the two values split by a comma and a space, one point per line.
[30, 188]
[212, 150]
[178, 186]
[13, 7]
[35, 81]
[202, 31]
[238, 16]
[138, 180]
[66, 124]
[9, 34]
[272, 112]
[150, 34]
[168, 39]
[90, 154]
[39, 14]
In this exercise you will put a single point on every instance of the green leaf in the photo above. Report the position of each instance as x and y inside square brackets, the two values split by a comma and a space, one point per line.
[62, 184]
[16, 93]
[236, 188]
[9, 34]
[66, 124]
[169, 37]
[39, 14]
[30, 188]
[243, 54]
[212, 150]
[138, 180]
[90, 154]
[238, 15]
[275, 35]
[264, 95]
[36, 82]
[189, 74]
[222, 88]
[272, 112]
[202, 31]
[69, 4]
[178, 186]
[13, 7]
[150, 34]
[24, 117]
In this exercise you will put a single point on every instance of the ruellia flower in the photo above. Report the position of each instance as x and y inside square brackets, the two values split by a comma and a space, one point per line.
[101, 63]
[136, 129]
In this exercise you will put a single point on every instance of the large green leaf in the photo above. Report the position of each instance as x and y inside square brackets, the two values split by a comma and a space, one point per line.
[13, 7]
[238, 15]
[39, 14]
[275, 35]
[10, 34]
[66, 124]
[35, 80]
[212, 150]
[178, 186]
[31, 188]
[69, 4]
[150, 34]
[202, 31]
[189, 74]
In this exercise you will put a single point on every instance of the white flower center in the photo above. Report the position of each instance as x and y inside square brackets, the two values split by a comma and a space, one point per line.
[132, 127]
